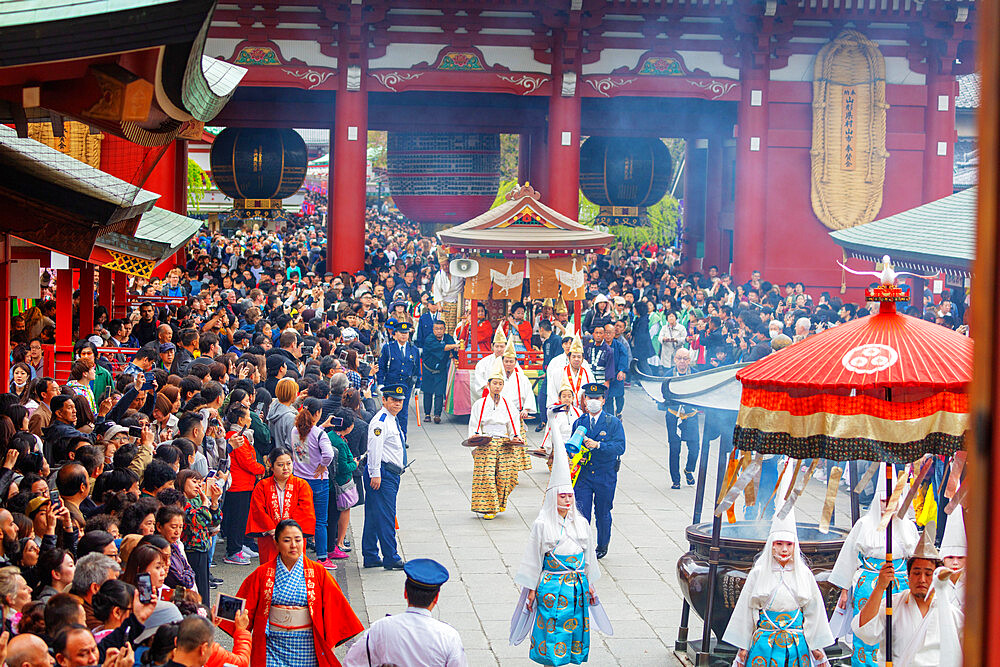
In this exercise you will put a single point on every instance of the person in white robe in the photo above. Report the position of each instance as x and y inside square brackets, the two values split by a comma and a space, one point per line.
[860, 560]
[779, 617]
[557, 573]
[497, 462]
[447, 290]
[481, 374]
[954, 550]
[925, 623]
[562, 415]
[570, 368]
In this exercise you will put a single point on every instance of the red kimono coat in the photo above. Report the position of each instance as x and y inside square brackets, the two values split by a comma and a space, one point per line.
[334, 622]
[265, 515]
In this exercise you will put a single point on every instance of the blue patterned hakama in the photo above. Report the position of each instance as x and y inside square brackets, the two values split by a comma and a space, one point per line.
[561, 634]
[779, 640]
[864, 654]
[290, 648]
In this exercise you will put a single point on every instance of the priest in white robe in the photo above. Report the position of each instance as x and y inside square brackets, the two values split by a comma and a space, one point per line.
[498, 461]
[925, 623]
[569, 368]
[481, 374]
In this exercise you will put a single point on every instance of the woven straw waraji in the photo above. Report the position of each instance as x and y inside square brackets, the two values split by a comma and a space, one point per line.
[842, 197]
[77, 141]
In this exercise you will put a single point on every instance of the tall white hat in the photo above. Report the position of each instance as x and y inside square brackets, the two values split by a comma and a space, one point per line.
[954, 543]
[559, 479]
[925, 547]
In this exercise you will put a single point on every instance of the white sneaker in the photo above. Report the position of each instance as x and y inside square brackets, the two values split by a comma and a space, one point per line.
[248, 552]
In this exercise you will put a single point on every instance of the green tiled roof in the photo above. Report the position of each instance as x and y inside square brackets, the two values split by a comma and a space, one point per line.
[21, 12]
[940, 234]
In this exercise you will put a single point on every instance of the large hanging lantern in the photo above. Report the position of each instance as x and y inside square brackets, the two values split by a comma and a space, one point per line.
[443, 179]
[258, 168]
[624, 175]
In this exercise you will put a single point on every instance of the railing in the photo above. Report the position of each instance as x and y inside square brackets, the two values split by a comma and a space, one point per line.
[528, 360]
[156, 300]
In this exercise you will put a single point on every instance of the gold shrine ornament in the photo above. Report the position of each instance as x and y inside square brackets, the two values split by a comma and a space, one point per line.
[848, 137]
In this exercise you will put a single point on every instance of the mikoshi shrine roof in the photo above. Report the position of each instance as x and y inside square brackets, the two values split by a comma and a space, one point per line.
[524, 224]
[938, 236]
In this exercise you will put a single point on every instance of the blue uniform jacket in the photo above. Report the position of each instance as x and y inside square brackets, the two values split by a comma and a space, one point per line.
[399, 366]
[611, 434]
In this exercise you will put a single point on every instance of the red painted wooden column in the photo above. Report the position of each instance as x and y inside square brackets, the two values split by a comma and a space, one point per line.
[939, 133]
[105, 288]
[751, 174]
[86, 301]
[564, 141]
[119, 305]
[538, 162]
[5, 297]
[713, 208]
[349, 149]
[64, 323]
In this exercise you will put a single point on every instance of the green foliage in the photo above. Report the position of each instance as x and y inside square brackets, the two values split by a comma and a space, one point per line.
[505, 187]
[197, 185]
[661, 228]
[376, 148]
[588, 210]
[509, 153]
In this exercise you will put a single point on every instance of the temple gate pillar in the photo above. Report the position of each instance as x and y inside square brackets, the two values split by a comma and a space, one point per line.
[564, 129]
[5, 297]
[349, 150]
[695, 204]
[119, 303]
[105, 287]
[751, 172]
[713, 207]
[939, 131]
[86, 300]
[538, 162]
[64, 323]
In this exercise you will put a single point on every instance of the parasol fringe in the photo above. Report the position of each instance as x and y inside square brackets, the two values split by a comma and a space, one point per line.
[867, 477]
[893, 502]
[957, 500]
[925, 465]
[745, 477]
[831, 498]
[728, 478]
[750, 493]
[955, 475]
[794, 463]
[795, 476]
[794, 497]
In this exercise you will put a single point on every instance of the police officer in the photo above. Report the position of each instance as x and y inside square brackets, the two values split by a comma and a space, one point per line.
[399, 364]
[386, 462]
[604, 445]
[413, 638]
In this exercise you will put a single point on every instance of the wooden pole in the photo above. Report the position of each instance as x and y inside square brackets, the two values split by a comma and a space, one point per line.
[888, 559]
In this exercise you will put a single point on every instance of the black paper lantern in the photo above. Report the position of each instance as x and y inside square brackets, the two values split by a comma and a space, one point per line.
[251, 163]
[624, 171]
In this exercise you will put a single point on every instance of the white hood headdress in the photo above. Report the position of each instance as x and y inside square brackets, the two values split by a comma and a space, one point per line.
[769, 574]
[953, 543]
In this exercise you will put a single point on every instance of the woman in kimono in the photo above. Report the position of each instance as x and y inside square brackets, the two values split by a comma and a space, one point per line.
[517, 390]
[280, 496]
[496, 463]
[779, 618]
[861, 558]
[558, 572]
[298, 613]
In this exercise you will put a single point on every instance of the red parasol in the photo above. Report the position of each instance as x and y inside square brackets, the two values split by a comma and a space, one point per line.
[886, 387]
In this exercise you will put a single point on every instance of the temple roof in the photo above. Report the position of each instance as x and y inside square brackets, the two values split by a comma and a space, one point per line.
[524, 224]
[949, 221]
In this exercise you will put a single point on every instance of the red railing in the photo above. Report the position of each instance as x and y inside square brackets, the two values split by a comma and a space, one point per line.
[156, 300]
[528, 360]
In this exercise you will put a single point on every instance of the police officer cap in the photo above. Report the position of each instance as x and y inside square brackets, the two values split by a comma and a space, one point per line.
[405, 327]
[393, 390]
[594, 390]
[391, 323]
[425, 573]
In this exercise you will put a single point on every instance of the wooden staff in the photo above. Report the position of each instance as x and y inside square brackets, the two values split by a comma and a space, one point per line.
[888, 559]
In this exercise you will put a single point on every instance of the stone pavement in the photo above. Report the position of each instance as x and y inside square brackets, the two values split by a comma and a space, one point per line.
[639, 585]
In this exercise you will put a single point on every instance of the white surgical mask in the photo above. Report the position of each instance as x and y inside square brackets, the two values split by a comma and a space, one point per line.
[593, 406]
